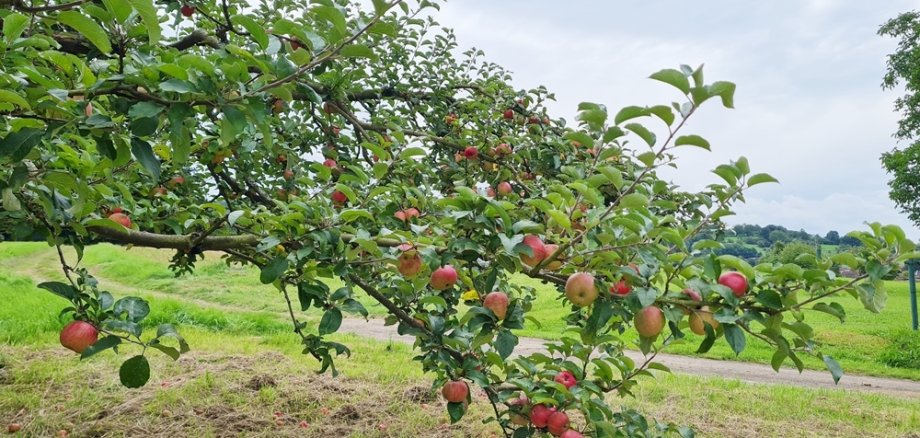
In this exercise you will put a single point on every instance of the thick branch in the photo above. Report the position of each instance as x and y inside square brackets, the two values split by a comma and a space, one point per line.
[180, 241]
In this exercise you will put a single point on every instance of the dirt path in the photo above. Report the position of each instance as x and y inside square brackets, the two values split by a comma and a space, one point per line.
[747, 372]
[744, 371]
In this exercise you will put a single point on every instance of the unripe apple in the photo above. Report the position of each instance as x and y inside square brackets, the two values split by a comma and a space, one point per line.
[78, 335]
[699, 319]
[88, 109]
[187, 10]
[339, 198]
[649, 322]
[450, 119]
[497, 302]
[508, 114]
[735, 281]
[540, 414]
[580, 289]
[282, 158]
[455, 391]
[538, 248]
[571, 433]
[557, 423]
[443, 278]
[121, 218]
[471, 152]
[504, 188]
[410, 263]
[159, 192]
[502, 149]
[550, 250]
[335, 130]
[566, 378]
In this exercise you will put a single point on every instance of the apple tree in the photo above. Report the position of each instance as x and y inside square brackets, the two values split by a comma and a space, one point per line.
[340, 140]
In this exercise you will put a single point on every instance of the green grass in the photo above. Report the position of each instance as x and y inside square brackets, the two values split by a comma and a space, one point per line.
[859, 344]
[247, 366]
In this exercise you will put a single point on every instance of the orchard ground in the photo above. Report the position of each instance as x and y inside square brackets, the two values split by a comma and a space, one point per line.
[246, 367]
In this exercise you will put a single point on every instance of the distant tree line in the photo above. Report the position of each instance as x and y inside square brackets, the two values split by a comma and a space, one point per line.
[774, 243]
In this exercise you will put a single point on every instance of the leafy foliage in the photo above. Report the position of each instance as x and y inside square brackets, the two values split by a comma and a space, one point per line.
[323, 140]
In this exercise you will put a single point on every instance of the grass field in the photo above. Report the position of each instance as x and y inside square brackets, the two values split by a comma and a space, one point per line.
[246, 367]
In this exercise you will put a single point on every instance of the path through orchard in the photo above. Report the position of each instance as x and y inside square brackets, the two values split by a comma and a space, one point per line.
[374, 328]
[747, 372]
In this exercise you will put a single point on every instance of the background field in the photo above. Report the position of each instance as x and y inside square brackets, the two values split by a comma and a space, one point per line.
[246, 366]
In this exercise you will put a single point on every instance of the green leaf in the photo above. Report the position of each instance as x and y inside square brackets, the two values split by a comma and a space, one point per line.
[176, 86]
[634, 200]
[167, 350]
[692, 140]
[354, 306]
[561, 218]
[145, 109]
[834, 368]
[760, 178]
[674, 78]
[13, 26]
[136, 308]
[135, 372]
[456, 411]
[149, 16]
[124, 326]
[331, 321]
[735, 337]
[834, 309]
[103, 344]
[256, 30]
[642, 132]
[13, 98]
[18, 144]
[333, 15]
[273, 269]
[629, 112]
[62, 290]
[505, 343]
[88, 28]
[357, 51]
[144, 154]
[725, 90]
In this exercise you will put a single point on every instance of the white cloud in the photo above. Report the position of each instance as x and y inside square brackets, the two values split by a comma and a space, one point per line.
[809, 107]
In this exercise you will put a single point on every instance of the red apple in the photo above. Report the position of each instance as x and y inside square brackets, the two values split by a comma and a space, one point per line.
[490, 192]
[693, 294]
[621, 288]
[88, 109]
[13, 427]
[401, 215]
[735, 281]
[295, 44]
[330, 163]
[508, 114]
[410, 263]
[282, 158]
[557, 423]
[339, 198]
[176, 180]
[539, 250]
[187, 10]
[571, 433]
[328, 107]
[533, 120]
[566, 379]
[471, 152]
[159, 192]
[277, 106]
[335, 130]
[502, 149]
[497, 302]
[540, 414]
[550, 250]
[519, 407]
[580, 289]
[504, 188]
[649, 322]
[455, 391]
[412, 212]
[443, 278]
[78, 335]
[288, 174]
[450, 119]
[121, 218]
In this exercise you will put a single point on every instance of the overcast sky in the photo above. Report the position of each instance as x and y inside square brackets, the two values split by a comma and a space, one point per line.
[809, 107]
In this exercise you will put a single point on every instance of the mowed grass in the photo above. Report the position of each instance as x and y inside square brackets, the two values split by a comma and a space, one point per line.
[857, 344]
[247, 377]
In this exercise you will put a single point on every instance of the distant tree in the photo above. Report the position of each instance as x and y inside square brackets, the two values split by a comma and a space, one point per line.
[749, 254]
[832, 238]
[904, 69]
[779, 236]
[796, 252]
[850, 241]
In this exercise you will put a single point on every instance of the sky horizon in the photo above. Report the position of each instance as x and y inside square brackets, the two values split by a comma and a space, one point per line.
[809, 108]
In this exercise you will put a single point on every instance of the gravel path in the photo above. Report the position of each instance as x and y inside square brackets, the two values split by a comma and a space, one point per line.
[747, 372]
